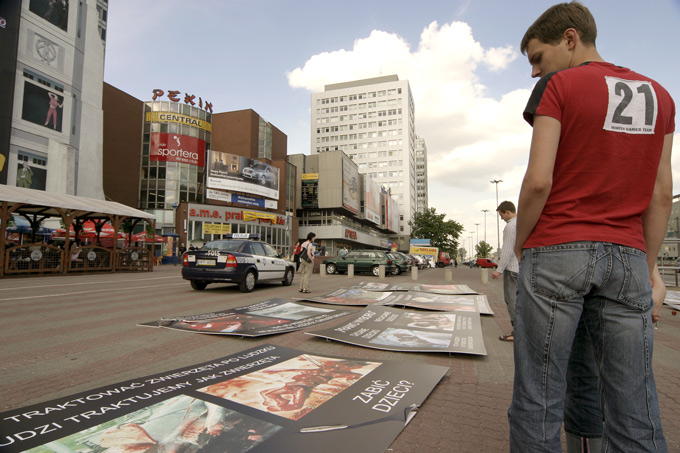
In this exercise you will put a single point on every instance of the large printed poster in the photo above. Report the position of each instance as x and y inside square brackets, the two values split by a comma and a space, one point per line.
[177, 148]
[263, 318]
[394, 329]
[392, 214]
[372, 201]
[242, 174]
[53, 11]
[266, 399]
[357, 296]
[42, 106]
[350, 185]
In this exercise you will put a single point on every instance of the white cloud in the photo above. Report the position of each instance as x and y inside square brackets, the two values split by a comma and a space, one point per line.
[471, 137]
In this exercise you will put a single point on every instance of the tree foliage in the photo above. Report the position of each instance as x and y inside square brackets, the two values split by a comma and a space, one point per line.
[483, 249]
[441, 233]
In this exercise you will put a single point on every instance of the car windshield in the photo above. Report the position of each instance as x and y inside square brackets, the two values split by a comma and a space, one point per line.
[224, 245]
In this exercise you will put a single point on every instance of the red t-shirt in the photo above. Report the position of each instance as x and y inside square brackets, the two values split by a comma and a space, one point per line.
[613, 126]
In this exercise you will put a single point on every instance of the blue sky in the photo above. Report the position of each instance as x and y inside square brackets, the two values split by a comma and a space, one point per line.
[462, 60]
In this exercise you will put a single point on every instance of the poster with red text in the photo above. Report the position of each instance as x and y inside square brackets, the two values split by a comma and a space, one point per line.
[265, 399]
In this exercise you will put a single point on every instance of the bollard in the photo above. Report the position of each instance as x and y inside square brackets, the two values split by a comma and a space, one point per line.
[485, 275]
[350, 270]
[414, 273]
[448, 275]
[322, 270]
[381, 271]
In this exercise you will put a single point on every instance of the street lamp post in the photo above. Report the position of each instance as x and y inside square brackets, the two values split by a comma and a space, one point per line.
[477, 232]
[498, 225]
[485, 211]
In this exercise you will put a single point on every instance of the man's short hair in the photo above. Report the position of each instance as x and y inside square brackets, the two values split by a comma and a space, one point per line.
[550, 27]
[507, 206]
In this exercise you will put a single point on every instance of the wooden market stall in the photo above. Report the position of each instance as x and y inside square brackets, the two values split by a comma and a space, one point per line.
[96, 235]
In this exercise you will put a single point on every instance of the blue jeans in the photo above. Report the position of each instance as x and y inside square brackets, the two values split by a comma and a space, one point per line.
[606, 287]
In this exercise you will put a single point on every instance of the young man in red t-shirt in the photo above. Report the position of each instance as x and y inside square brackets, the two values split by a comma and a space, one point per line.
[592, 215]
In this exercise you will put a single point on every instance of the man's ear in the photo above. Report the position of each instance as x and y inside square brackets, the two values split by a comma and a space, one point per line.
[571, 36]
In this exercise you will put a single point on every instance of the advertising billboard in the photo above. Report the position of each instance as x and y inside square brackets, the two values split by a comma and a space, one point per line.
[350, 185]
[242, 174]
[391, 214]
[177, 148]
[54, 12]
[31, 177]
[42, 106]
[372, 202]
[310, 190]
[10, 15]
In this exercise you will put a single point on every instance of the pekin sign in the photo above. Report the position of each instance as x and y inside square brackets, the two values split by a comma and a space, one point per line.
[189, 99]
[177, 148]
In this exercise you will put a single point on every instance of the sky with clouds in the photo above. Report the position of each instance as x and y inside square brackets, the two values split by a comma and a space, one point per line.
[469, 80]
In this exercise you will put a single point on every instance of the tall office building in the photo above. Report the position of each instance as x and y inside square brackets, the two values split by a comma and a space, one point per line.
[51, 95]
[373, 122]
[421, 175]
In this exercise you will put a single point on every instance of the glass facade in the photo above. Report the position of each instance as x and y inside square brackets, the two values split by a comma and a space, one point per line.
[174, 145]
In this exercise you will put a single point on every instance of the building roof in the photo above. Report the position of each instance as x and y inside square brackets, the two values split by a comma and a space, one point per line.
[46, 203]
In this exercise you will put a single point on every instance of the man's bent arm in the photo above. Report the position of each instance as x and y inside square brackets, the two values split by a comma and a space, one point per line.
[538, 178]
[655, 218]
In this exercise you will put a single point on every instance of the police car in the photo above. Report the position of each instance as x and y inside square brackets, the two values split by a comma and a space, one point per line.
[241, 258]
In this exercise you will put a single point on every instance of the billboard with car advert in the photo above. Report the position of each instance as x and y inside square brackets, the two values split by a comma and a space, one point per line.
[177, 148]
[242, 174]
[350, 185]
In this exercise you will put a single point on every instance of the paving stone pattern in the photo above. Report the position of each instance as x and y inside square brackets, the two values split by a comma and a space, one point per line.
[64, 335]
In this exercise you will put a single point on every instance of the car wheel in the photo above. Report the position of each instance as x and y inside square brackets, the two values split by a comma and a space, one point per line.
[288, 277]
[198, 285]
[248, 283]
[263, 180]
[397, 271]
[440, 264]
[376, 270]
[331, 268]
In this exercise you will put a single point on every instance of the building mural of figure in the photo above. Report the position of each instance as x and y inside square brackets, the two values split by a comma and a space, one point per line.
[52, 112]
[25, 176]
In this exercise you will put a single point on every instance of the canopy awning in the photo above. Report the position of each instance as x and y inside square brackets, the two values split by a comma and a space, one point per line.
[46, 203]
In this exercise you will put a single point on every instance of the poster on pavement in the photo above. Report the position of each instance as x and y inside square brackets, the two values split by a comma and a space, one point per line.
[395, 329]
[444, 289]
[356, 296]
[672, 299]
[265, 399]
[445, 302]
[263, 318]
[375, 286]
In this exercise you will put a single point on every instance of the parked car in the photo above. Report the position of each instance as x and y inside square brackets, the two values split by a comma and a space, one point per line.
[241, 258]
[402, 261]
[486, 263]
[261, 173]
[420, 261]
[363, 260]
[470, 263]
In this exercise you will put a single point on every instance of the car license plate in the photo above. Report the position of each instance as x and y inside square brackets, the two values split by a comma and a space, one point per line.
[206, 262]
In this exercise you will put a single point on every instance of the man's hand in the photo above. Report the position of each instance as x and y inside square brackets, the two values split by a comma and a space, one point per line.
[658, 293]
[495, 274]
[518, 252]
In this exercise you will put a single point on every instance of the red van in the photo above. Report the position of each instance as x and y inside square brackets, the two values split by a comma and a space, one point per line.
[486, 262]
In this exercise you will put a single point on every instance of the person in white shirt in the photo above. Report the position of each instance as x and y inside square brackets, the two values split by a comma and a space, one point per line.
[508, 265]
